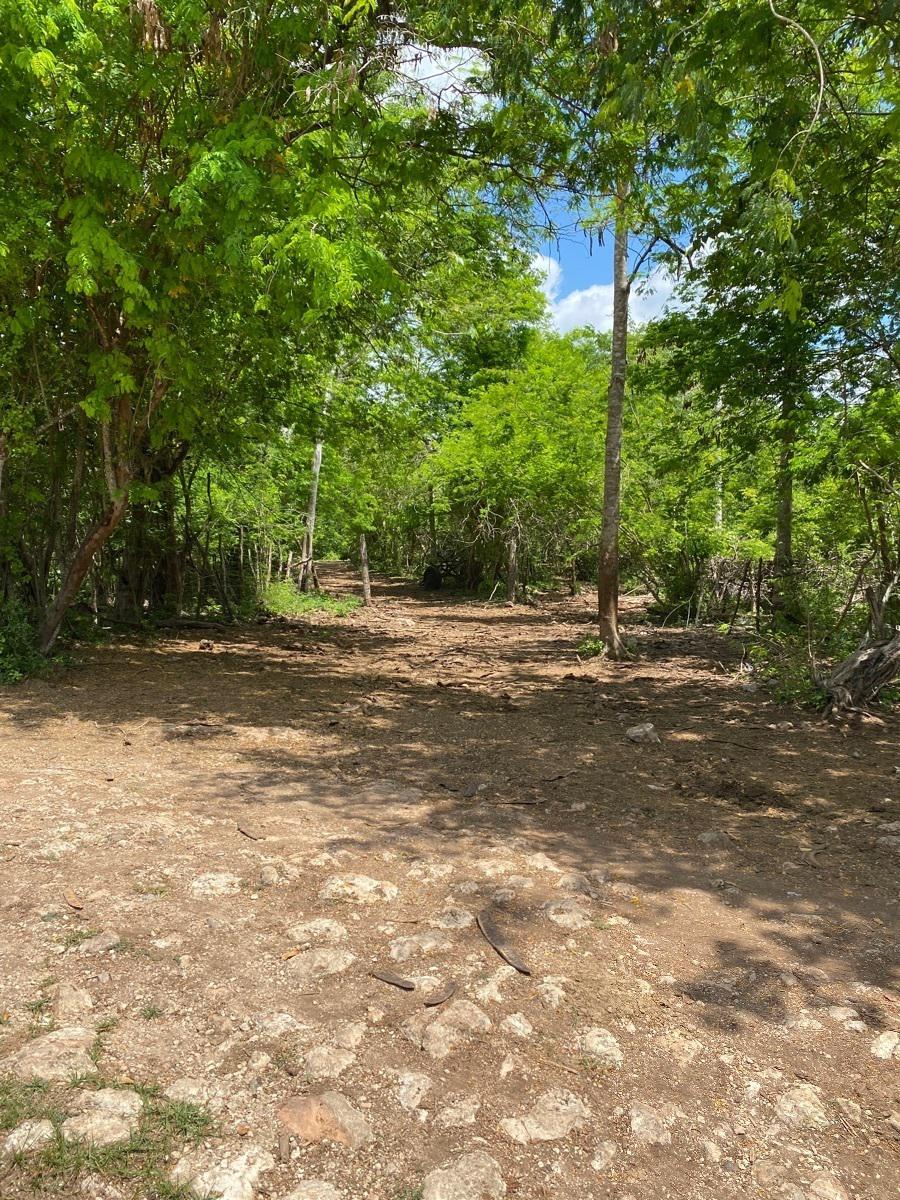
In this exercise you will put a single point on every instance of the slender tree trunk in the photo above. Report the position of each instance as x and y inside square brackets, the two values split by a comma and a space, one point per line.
[782, 585]
[364, 570]
[608, 565]
[512, 564]
[307, 573]
[92, 542]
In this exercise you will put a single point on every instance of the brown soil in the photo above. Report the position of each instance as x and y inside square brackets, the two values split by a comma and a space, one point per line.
[440, 744]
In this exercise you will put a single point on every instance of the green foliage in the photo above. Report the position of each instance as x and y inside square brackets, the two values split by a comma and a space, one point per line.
[591, 647]
[19, 654]
[284, 600]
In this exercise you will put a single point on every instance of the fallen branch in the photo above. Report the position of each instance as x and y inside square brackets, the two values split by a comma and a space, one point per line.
[862, 675]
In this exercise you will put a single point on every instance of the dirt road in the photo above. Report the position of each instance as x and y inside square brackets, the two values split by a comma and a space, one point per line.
[206, 852]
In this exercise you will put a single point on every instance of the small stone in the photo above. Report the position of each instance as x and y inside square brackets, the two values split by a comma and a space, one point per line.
[327, 1117]
[827, 1187]
[802, 1107]
[842, 1013]
[576, 883]
[360, 888]
[54, 1057]
[453, 918]
[440, 1032]
[101, 943]
[886, 1044]
[227, 1175]
[555, 1114]
[268, 876]
[551, 990]
[604, 1156]
[327, 1062]
[462, 1112]
[894, 1121]
[490, 989]
[103, 1118]
[70, 1003]
[649, 1125]
[568, 914]
[349, 1035]
[475, 1176]
[27, 1137]
[713, 837]
[319, 963]
[314, 1189]
[404, 948]
[643, 734]
[850, 1109]
[216, 883]
[712, 1150]
[600, 1044]
[322, 929]
[412, 1087]
[188, 1090]
[517, 1025]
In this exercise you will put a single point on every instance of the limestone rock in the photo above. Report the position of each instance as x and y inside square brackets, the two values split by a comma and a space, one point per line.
[103, 1118]
[461, 1112]
[412, 1087]
[453, 918]
[327, 1062]
[551, 990]
[101, 943]
[215, 883]
[643, 734]
[70, 1003]
[27, 1137]
[650, 1125]
[54, 1057]
[440, 1032]
[601, 1044]
[360, 888]
[887, 1045]
[316, 964]
[327, 1117]
[322, 930]
[603, 1159]
[473, 1177]
[568, 914]
[403, 948]
[827, 1187]
[518, 1025]
[227, 1175]
[802, 1107]
[201, 1092]
[555, 1114]
[314, 1189]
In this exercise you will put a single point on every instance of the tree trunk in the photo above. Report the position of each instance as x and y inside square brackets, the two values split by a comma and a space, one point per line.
[93, 541]
[512, 564]
[364, 570]
[608, 565]
[862, 675]
[307, 570]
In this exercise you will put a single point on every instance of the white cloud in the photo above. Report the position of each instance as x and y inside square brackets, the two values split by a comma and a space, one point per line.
[594, 305]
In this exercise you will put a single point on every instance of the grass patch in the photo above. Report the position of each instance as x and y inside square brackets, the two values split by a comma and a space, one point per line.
[284, 600]
[143, 1162]
[591, 647]
[150, 1012]
[74, 937]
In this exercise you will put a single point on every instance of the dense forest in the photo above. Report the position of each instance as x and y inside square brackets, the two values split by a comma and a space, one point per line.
[270, 293]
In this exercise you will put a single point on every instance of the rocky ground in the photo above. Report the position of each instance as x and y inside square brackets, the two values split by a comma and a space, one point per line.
[209, 855]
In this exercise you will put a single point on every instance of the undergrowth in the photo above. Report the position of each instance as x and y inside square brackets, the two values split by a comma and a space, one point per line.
[284, 600]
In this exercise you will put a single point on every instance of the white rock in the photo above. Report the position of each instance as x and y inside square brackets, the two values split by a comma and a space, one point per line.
[555, 1114]
[277, 1025]
[842, 1013]
[314, 1189]
[403, 948]
[70, 1003]
[412, 1087]
[886, 1044]
[475, 1176]
[227, 1175]
[54, 1057]
[802, 1107]
[712, 1150]
[100, 943]
[568, 914]
[577, 884]
[27, 1137]
[601, 1044]
[441, 1032]
[215, 883]
[517, 1025]
[103, 1118]
[319, 963]
[683, 1049]
[604, 1156]
[542, 862]
[714, 837]
[453, 918]
[551, 990]
[360, 888]
[201, 1092]
[827, 1187]
[327, 1062]
[350, 1034]
[490, 989]
[643, 733]
[650, 1125]
[322, 929]
[461, 1112]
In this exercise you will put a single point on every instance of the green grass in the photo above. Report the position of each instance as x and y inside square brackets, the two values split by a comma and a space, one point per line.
[150, 1012]
[284, 600]
[591, 647]
[74, 937]
[165, 1127]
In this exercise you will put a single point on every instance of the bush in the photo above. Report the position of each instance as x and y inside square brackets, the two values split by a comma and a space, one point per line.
[19, 654]
[285, 600]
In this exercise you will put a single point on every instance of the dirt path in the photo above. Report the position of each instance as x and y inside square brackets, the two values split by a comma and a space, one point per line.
[711, 922]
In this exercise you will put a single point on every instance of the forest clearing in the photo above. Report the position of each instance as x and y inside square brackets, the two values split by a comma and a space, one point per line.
[449, 600]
